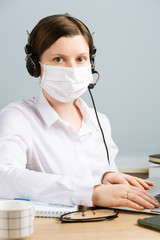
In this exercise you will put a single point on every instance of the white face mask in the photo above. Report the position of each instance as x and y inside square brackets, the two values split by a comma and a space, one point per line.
[65, 84]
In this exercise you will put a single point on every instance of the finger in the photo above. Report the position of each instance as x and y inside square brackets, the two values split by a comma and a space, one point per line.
[141, 192]
[133, 181]
[128, 203]
[148, 199]
[149, 183]
[140, 183]
[121, 181]
[107, 183]
[145, 183]
[137, 198]
[142, 201]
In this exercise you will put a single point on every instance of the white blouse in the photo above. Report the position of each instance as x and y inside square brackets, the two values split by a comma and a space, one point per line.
[44, 159]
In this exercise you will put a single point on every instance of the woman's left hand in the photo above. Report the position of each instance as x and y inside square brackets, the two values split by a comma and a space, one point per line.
[121, 178]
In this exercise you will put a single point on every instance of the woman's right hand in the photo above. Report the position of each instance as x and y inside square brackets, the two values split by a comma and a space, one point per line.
[123, 195]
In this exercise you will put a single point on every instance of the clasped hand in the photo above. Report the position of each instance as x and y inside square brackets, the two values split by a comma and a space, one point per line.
[118, 189]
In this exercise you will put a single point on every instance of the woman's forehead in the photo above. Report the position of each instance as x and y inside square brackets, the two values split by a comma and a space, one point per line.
[67, 45]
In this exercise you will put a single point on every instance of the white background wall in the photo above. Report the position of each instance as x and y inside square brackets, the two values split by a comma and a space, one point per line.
[127, 37]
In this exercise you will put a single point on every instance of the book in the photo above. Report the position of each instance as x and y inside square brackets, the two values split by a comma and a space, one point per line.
[52, 210]
[154, 158]
[154, 170]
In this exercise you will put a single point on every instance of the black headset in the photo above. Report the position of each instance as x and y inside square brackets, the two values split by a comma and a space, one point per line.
[32, 61]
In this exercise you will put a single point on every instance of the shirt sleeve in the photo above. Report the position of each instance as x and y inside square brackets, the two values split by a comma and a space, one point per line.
[17, 181]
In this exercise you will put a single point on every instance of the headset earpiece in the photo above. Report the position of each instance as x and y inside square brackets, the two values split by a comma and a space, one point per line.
[32, 63]
[92, 59]
[28, 49]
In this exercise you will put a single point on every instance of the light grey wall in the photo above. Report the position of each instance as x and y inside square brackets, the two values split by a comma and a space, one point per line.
[127, 36]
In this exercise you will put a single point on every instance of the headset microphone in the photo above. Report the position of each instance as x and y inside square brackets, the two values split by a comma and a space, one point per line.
[92, 85]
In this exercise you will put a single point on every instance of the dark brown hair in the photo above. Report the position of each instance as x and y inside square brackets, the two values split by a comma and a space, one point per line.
[51, 28]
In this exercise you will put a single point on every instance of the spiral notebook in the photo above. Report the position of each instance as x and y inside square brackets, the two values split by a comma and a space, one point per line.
[52, 210]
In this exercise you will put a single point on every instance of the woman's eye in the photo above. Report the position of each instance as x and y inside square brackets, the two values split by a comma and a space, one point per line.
[58, 59]
[81, 59]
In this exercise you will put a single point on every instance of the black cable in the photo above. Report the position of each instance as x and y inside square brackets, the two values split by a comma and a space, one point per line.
[94, 106]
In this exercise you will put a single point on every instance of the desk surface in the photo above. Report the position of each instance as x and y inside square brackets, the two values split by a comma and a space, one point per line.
[123, 227]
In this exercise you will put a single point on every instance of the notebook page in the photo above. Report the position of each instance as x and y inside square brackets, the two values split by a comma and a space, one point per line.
[51, 210]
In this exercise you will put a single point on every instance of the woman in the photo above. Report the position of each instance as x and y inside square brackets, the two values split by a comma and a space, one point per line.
[51, 147]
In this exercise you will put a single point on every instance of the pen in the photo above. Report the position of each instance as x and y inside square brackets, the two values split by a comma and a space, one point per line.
[24, 199]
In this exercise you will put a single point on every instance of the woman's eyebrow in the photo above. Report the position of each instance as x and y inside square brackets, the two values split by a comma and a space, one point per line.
[60, 54]
[57, 54]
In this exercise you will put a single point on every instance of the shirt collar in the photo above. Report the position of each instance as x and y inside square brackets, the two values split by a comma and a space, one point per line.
[50, 116]
[88, 114]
